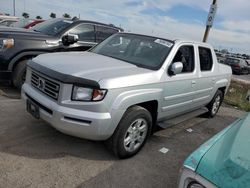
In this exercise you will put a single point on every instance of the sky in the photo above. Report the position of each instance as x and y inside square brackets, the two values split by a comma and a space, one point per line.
[173, 19]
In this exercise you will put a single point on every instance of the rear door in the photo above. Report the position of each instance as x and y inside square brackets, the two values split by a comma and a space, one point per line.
[207, 77]
[86, 35]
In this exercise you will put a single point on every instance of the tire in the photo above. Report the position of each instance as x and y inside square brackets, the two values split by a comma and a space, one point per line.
[214, 105]
[19, 74]
[131, 133]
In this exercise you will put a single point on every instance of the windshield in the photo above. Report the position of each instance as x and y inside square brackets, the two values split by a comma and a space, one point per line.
[142, 51]
[52, 26]
[233, 61]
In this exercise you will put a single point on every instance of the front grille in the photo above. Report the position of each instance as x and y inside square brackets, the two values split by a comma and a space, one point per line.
[45, 85]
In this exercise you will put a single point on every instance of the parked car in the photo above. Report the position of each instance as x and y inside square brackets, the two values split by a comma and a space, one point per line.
[4, 17]
[220, 57]
[17, 45]
[238, 65]
[26, 23]
[222, 161]
[119, 90]
[6, 21]
[32, 24]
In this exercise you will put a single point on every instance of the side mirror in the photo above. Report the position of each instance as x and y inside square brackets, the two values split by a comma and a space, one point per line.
[69, 39]
[175, 68]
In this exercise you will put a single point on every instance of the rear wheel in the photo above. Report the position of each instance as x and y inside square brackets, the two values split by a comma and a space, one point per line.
[19, 74]
[214, 105]
[131, 133]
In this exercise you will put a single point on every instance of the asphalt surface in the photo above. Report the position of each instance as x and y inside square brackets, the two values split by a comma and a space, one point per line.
[33, 154]
[242, 77]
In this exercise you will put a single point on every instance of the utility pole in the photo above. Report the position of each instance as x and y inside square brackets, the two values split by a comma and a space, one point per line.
[210, 19]
[14, 7]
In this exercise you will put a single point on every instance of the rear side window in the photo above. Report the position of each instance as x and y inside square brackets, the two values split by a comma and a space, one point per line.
[185, 54]
[104, 32]
[85, 32]
[206, 60]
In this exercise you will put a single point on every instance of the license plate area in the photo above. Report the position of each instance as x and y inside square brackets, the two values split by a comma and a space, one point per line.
[33, 109]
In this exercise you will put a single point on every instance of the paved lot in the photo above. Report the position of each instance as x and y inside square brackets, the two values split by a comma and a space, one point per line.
[242, 77]
[32, 154]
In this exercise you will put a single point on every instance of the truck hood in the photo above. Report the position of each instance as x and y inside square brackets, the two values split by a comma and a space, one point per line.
[12, 32]
[107, 71]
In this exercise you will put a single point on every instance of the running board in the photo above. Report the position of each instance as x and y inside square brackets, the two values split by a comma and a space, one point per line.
[182, 118]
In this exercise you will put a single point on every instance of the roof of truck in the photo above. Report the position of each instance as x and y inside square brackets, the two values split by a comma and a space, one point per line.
[175, 40]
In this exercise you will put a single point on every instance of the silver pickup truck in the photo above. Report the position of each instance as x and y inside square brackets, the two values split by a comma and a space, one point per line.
[121, 89]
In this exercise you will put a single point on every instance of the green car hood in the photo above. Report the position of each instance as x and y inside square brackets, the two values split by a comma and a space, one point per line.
[225, 159]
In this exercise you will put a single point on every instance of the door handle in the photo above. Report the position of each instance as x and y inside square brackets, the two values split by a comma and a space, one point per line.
[193, 82]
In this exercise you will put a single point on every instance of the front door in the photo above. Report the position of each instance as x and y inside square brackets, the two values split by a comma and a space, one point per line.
[179, 89]
[86, 37]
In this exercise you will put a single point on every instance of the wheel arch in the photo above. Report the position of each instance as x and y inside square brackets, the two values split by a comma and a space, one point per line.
[152, 107]
[22, 56]
[223, 90]
[146, 98]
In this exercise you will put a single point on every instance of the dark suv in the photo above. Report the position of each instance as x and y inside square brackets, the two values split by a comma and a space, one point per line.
[17, 46]
[238, 65]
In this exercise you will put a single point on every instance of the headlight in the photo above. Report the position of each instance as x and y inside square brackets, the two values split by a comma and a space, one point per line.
[195, 185]
[6, 43]
[88, 94]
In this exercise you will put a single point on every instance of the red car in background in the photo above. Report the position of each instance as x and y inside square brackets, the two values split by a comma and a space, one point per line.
[26, 23]
[33, 24]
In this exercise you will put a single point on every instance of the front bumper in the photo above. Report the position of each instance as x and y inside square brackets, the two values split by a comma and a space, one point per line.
[75, 122]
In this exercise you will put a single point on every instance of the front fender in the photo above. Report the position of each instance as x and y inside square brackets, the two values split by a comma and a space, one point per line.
[129, 98]
[23, 54]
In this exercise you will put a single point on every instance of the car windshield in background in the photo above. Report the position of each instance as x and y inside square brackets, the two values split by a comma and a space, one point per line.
[142, 51]
[233, 61]
[52, 26]
[21, 23]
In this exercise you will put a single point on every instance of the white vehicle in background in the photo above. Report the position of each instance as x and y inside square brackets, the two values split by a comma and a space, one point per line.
[7, 20]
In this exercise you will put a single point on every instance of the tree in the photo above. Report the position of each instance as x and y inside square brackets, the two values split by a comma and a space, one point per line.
[52, 15]
[65, 15]
[224, 51]
[25, 15]
[39, 17]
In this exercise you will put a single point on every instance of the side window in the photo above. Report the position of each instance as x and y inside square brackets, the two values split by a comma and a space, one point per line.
[206, 60]
[85, 32]
[185, 54]
[104, 32]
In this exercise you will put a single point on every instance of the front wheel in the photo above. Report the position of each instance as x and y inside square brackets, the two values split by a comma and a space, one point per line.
[19, 74]
[131, 133]
[214, 105]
